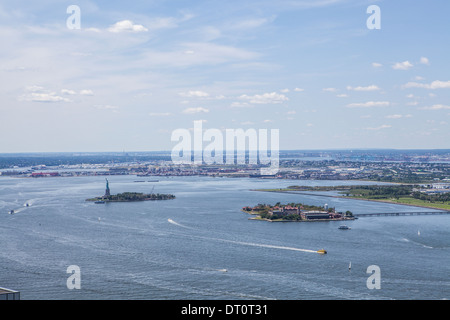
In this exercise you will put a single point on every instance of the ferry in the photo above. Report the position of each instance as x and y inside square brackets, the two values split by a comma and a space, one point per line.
[322, 251]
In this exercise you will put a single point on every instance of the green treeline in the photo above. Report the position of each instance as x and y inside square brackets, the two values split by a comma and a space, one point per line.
[389, 192]
[379, 192]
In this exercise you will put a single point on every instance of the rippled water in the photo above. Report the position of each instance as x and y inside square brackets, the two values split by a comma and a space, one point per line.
[201, 246]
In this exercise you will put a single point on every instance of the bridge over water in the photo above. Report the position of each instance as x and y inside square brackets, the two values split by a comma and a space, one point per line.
[418, 213]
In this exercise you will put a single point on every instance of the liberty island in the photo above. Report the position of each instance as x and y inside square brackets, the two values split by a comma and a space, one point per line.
[129, 196]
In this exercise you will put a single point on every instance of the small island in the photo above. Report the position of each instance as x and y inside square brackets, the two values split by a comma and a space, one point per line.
[129, 196]
[296, 212]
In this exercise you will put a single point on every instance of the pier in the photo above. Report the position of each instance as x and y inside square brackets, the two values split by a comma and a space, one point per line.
[384, 214]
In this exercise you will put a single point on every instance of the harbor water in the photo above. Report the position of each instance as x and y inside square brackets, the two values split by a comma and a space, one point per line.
[201, 246]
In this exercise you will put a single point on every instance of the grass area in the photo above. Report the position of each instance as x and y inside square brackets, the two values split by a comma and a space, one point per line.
[421, 203]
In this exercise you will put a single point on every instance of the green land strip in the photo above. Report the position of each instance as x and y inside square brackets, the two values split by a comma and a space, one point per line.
[399, 194]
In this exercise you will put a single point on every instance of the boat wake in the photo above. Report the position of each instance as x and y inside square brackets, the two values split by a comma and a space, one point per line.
[271, 246]
[261, 245]
[178, 224]
[417, 243]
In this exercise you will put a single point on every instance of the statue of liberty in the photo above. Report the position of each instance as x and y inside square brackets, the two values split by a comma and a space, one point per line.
[107, 193]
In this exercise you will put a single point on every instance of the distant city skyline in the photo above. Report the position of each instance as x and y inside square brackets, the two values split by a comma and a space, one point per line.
[135, 72]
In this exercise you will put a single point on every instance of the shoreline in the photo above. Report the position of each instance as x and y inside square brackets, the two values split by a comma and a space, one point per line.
[311, 220]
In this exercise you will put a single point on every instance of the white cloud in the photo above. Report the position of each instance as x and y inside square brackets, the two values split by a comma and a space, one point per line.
[96, 30]
[433, 85]
[126, 26]
[398, 116]
[436, 107]
[240, 105]
[106, 107]
[369, 104]
[394, 116]
[68, 91]
[195, 110]
[160, 114]
[424, 60]
[299, 90]
[284, 90]
[194, 94]
[43, 97]
[384, 126]
[329, 89]
[405, 65]
[342, 95]
[266, 98]
[368, 88]
[376, 65]
[161, 23]
[40, 94]
[86, 92]
[34, 88]
[251, 23]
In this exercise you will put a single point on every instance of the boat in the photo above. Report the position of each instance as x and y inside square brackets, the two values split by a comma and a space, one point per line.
[350, 266]
[344, 227]
[11, 212]
[99, 201]
[322, 251]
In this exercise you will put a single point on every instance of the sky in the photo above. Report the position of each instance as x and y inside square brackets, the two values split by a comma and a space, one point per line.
[135, 71]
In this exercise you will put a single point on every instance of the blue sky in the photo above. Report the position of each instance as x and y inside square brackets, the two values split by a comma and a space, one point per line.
[135, 71]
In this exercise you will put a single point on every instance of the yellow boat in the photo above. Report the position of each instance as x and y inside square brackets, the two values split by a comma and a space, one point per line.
[322, 251]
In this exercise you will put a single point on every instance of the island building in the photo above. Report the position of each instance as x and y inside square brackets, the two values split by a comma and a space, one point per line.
[283, 211]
